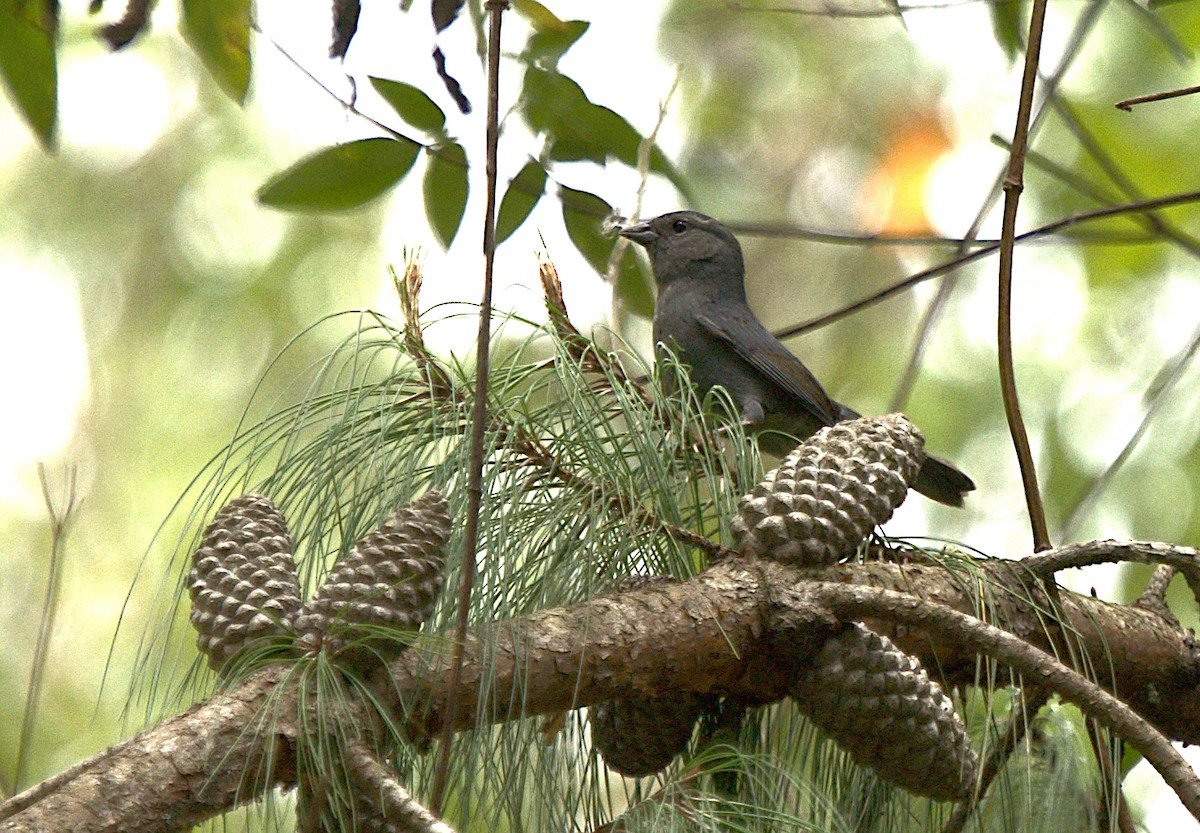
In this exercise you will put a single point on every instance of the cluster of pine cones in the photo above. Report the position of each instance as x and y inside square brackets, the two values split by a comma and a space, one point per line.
[245, 590]
[875, 701]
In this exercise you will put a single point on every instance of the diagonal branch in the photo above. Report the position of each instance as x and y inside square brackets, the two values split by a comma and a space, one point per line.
[722, 632]
[1024, 658]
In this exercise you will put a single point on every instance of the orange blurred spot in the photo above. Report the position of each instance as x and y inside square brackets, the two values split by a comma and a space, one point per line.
[895, 198]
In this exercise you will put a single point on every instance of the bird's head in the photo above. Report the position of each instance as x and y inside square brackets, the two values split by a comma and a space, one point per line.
[687, 245]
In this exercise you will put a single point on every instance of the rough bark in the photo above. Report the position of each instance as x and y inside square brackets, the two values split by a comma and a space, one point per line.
[718, 633]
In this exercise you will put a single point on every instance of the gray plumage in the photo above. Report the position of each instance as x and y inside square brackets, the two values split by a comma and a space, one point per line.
[701, 313]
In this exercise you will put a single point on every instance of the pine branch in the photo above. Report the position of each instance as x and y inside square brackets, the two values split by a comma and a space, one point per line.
[737, 630]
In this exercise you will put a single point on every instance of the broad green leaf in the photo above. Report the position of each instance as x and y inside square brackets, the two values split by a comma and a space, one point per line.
[446, 189]
[219, 32]
[583, 216]
[28, 31]
[523, 193]
[548, 45]
[1006, 26]
[579, 129]
[412, 105]
[537, 15]
[341, 177]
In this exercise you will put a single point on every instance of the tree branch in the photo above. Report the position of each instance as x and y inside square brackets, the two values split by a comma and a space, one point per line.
[720, 632]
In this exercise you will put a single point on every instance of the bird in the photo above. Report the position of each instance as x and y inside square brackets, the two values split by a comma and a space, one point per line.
[701, 314]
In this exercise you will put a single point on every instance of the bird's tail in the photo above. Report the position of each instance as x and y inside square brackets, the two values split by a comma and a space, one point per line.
[940, 481]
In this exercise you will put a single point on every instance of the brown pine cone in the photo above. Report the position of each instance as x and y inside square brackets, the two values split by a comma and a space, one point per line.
[389, 580]
[826, 496]
[878, 703]
[243, 580]
[638, 736]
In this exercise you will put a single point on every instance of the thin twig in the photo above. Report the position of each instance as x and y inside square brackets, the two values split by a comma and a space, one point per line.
[1128, 104]
[1013, 185]
[1137, 207]
[479, 418]
[929, 319]
[60, 519]
[1109, 551]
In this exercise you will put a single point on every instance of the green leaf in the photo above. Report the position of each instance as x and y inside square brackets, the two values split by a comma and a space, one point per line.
[551, 36]
[446, 189]
[28, 31]
[548, 46]
[579, 129]
[537, 15]
[412, 105]
[341, 177]
[583, 216]
[523, 193]
[1006, 25]
[219, 32]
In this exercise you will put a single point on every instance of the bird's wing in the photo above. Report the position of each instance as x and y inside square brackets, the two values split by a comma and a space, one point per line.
[762, 351]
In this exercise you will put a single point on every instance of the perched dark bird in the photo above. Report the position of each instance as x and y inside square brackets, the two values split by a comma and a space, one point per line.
[701, 314]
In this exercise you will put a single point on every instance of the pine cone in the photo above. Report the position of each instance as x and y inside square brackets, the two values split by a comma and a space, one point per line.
[827, 494]
[390, 579]
[243, 580]
[878, 703]
[638, 736]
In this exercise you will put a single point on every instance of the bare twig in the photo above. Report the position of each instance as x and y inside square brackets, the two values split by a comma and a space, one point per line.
[929, 319]
[1073, 556]
[1013, 185]
[1154, 597]
[479, 418]
[1136, 207]
[644, 152]
[1079, 34]
[60, 519]
[1128, 104]
[1083, 28]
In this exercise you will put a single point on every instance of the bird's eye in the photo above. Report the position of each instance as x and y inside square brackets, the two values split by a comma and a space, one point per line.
[680, 226]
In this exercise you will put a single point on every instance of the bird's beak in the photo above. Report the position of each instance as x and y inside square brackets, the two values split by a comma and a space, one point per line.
[639, 233]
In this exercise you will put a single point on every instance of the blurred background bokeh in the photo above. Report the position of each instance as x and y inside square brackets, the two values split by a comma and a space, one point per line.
[143, 290]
